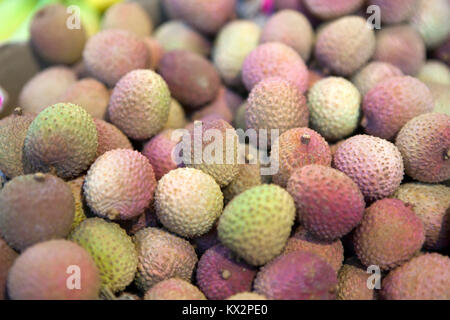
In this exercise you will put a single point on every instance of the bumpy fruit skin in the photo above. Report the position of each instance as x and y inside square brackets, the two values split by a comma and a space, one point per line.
[390, 234]
[431, 21]
[42, 272]
[401, 46]
[296, 148]
[62, 140]
[112, 250]
[374, 164]
[334, 104]
[220, 275]
[393, 12]
[120, 184]
[297, 276]
[330, 9]
[13, 130]
[234, 42]
[162, 256]
[110, 137]
[275, 103]
[7, 257]
[352, 283]
[35, 208]
[291, 28]
[426, 277]
[430, 203]
[174, 289]
[392, 103]
[51, 37]
[90, 94]
[140, 104]
[434, 71]
[247, 296]
[223, 164]
[256, 224]
[45, 88]
[274, 59]
[424, 142]
[329, 204]
[128, 16]
[192, 209]
[374, 73]
[331, 251]
[249, 176]
[192, 79]
[206, 16]
[345, 45]
[176, 35]
[159, 151]
[76, 186]
[177, 117]
[111, 54]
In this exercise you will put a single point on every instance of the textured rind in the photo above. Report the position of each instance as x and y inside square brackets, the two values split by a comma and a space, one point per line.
[110, 137]
[140, 104]
[431, 21]
[392, 103]
[390, 234]
[35, 209]
[352, 283]
[374, 73]
[177, 117]
[62, 139]
[275, 103]
[52, 39]
[188, 211]
[111, 54]
[76, 186]
[374, 164]
[7, 257]
[42, 273]
[212, 133]
[401, 46]
[159, 151]
[256, 224]
[206, 16]
[249, 176]
[234, 42]
[331, 9]
[296, 148]
[426, 277]
[220, 275]
[45, 88]
[291, 28]
[329, 204]
[297, 276]
[345, 45]
[334, 105]
[120, 184]
[174, 289]
[162, 256]
[247, 296]
[434, 71]
[430, 203]
[128, 16]
[89, 94]
[331, 251]
[192, 79]
[393, 12]
[176, 35]
[424, 143]
[274, 59]
[13, 130]
[112, 250]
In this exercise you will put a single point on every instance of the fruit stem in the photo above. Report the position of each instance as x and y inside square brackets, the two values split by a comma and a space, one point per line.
[39, 176]
[447, 155]
[305, 138]
[226, 274]
[18, 111]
